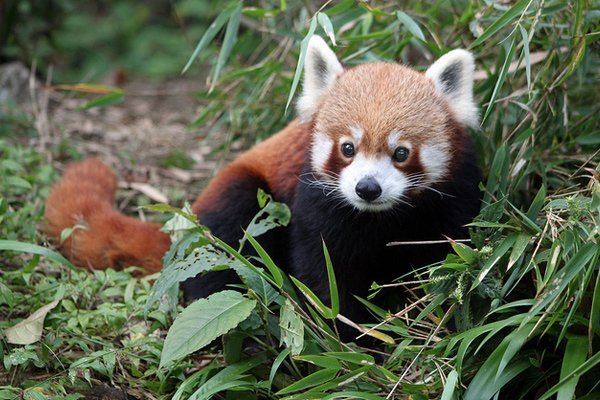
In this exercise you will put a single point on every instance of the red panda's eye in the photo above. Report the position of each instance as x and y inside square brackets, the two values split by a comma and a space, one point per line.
[348, 149]
[400, 154]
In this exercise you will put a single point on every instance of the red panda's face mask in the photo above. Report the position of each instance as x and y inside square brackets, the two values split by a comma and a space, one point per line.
[384, 132]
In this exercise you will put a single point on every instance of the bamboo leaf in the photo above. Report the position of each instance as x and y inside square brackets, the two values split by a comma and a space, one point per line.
[410, 24]
[501, 77]
[515, 11]
[210, 33]
[314, 379]
[333, 289]
[313, 299]
[525, 37]
[575, 355]
[450, 386]
[267, 260]
[228, 42]
[325, 23]
[300, 65]
[12, 245]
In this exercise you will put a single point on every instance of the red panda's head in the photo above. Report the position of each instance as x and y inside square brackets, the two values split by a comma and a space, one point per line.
[382, 131]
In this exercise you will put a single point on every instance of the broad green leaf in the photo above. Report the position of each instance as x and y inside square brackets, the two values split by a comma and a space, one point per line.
[515, 11]
[574, 356]
[16, 181]
[300, 65]
[271, 215]
[311, 380]
[292, 328]
[333, 289]
[410, 24]
[201, 259]
[11, 245]
[228, 42]
[30, 329]
[203, 321]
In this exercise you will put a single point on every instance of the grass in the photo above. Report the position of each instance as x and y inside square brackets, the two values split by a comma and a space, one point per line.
[523, 296]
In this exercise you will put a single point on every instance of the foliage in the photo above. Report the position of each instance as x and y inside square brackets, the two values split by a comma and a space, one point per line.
[513, 313]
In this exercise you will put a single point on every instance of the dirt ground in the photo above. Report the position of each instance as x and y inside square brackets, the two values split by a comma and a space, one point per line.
[133, 137]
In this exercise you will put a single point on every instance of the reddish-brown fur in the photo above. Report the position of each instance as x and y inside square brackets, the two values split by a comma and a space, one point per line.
[104, 237]
[107, 238]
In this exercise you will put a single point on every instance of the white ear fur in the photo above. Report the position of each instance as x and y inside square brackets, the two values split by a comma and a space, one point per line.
[321, 69]
[453, 78]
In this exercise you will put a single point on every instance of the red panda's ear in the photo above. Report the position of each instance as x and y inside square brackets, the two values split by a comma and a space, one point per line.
[453, 77]
[321, 69]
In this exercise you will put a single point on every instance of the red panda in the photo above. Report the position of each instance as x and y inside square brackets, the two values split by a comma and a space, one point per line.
[379, 153]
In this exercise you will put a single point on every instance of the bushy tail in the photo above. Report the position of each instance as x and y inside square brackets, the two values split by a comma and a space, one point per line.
[103, 237]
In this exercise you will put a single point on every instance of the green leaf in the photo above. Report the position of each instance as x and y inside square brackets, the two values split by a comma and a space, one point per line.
[354, 358]
[525, 37]
[410, 24]
[313, 299]
[210, 33]
[11, 245]
[353, 395]
[17, 182]
[230, 373]
[496, 370]
[514, 12]
[595, 312]
[325, 23]
[105, 100]
[333, 289]
[321, 361]
[466, 253]
[201, 259]
[311, 380]
[519, 247]
[276, 363]
[501, 77]
[450, 386]
[203, 321]
[292, 328]
[574, 356]
[497, 254]
[230, 38]
[300, 65]
[267, 260]
[582, 369]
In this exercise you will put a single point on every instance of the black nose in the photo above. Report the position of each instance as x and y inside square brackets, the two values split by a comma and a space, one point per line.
[368, 189]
